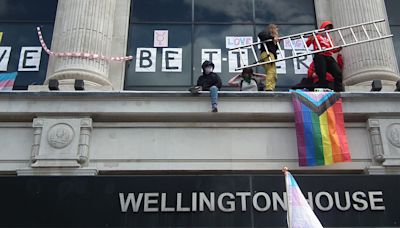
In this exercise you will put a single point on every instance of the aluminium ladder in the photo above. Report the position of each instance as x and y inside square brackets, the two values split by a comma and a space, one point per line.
[348, 36]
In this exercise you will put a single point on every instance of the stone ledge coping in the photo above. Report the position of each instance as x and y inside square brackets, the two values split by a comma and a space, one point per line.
[184, 94]
[181, 106]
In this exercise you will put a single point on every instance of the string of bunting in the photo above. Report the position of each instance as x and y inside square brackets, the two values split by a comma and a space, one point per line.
[79, 54]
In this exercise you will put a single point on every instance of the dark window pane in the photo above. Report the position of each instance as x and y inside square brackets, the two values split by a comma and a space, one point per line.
[285, 11]
[161, 10]
[210, 41]
[28, 10]
[232, 11]
[396, 33]
[18, 35]
[142, 36]
[393, 7]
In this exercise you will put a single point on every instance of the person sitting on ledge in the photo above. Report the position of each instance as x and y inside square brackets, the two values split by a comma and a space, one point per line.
[209, 81]
[247, 81]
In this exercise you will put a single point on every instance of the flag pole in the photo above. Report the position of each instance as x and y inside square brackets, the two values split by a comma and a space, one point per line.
[285, 171]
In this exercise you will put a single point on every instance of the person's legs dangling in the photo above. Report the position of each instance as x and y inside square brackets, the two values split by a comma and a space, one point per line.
[214, 98]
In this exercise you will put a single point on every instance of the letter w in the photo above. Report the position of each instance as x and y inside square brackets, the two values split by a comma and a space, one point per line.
[130, 200]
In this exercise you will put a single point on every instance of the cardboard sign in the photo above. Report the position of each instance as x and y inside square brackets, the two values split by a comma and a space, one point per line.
[161, 38]
[172, 60]
[213, 55]
[235, 61]
[146, 60]
[297, 44]
[281, 66]
[237, 41]
[4, 58]
[302, 64]
[30, 59]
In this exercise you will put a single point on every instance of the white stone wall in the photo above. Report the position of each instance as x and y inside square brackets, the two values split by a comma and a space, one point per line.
[144, 132]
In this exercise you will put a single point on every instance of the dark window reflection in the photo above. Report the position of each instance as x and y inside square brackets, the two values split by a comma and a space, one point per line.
[142, 36]
[223, 11]
[18, 21]
[18, 35]
[396, 33]
[297, 11]
[393, 7]
[214, 37]
[28, 10]
[214, 21]
[162, 10]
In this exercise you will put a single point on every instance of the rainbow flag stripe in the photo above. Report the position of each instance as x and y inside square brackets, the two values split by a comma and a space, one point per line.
[7, 81]
[321, 134]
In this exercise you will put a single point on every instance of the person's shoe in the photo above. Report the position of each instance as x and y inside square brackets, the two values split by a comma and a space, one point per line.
[215, 109]
[194, 90]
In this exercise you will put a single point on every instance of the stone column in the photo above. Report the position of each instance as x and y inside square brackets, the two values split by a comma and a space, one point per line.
[83, 26]
[370, 61]
[322, 11]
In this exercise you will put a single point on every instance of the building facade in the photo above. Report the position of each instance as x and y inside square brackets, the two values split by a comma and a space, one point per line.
[138, 130]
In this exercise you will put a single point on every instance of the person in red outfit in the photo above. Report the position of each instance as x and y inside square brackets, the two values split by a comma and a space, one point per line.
[313, 77]
[324, 62]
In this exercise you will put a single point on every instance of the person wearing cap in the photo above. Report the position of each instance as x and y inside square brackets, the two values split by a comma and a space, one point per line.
[210, 81]
[324, 61]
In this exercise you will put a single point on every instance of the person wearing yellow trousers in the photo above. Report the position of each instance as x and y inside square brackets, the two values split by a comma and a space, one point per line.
[270, 71]
[271, 33]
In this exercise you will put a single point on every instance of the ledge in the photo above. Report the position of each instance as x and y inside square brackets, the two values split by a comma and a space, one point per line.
[181, 106]
[151, 94]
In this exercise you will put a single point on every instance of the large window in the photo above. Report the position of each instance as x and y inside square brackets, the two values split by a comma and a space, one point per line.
[171, 38]
[19, 44]
[393, 7]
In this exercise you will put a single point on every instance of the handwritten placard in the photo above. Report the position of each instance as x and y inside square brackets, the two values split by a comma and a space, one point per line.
[237, 41]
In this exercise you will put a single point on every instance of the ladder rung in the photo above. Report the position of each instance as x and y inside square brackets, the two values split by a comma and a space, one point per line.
[255, 54]
[354, 35]
[293, 49]
[317, 41]
[365, 31]
[341, 37]
[241, 57]
[304, 43]
[329, 38]
[267, 51]
[280, 50]
[377, 30]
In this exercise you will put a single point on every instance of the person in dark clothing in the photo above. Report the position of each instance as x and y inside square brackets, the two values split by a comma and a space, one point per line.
[210, 81]
[324, 62]
[271, 33]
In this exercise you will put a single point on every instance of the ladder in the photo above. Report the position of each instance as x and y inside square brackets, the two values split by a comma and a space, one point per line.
[347, 36]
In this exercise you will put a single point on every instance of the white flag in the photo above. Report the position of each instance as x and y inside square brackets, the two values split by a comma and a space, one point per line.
[300, 214]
